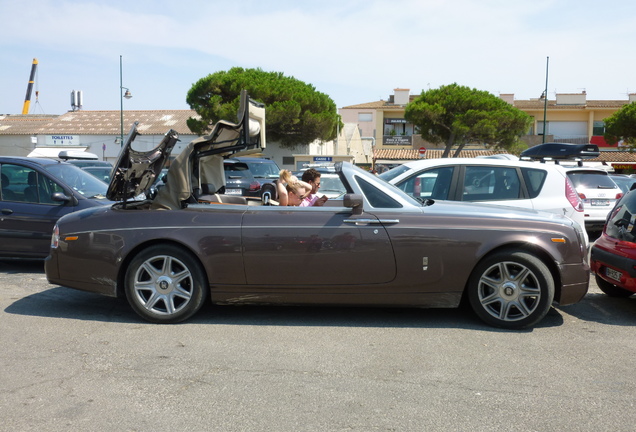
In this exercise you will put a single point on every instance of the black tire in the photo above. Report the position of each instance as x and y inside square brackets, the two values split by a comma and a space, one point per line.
[611, 289]
[165, 284]
[511, 290]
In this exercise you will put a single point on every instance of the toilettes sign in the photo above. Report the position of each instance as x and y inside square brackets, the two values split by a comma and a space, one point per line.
[62, 140]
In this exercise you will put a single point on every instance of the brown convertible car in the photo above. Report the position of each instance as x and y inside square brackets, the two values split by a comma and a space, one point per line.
[374, 245]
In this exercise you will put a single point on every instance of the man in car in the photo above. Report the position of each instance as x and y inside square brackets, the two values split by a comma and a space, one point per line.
[312, 177]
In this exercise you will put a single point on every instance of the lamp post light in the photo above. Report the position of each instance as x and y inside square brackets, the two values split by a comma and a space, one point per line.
[122, 95]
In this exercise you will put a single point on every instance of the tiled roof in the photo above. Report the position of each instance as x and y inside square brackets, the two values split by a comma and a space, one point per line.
[615, 156]
[369, 105]
[23, 124]
[151, 122]
[381, 104]
[536, 104]
[531, 104]
[407, 154]
[412, 154]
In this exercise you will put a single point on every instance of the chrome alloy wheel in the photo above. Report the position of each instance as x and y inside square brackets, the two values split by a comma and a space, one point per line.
[163, 285]
[509, 291]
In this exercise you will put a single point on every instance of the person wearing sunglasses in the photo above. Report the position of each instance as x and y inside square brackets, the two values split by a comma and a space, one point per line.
[312, 177]
[291, 191]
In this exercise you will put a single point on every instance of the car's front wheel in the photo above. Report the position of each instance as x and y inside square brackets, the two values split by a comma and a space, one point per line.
[165, 284]
[611, 289]
[511, 290]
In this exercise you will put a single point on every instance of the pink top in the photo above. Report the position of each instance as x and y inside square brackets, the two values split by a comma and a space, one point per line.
[309, 201]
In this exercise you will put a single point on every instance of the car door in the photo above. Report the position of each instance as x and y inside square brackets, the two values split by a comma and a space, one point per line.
[28, 214]
[502, 185]
[315, 245]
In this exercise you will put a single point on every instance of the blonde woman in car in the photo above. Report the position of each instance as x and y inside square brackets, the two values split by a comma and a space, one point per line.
[291, 191]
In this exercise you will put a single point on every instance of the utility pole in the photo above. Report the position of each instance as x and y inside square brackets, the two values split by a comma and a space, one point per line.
[545, 100]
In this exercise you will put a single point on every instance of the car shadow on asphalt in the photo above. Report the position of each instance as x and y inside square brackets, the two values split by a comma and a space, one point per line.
[22, 265]
[603, 309]
[66, 303]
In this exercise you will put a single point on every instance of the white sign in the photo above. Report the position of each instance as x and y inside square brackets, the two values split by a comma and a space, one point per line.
[62, 140]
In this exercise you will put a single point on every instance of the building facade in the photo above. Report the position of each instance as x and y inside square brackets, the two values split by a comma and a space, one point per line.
[98, 132]
[569, 118]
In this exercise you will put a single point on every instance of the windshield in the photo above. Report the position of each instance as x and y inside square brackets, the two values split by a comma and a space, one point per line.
[264, 170]
[332, 183]
[84, 183]
[393, 173]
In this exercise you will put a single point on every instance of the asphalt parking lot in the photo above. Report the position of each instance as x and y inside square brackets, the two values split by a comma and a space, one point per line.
[76, 361]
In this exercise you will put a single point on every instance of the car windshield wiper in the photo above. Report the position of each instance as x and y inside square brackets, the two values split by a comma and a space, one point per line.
[98, 196]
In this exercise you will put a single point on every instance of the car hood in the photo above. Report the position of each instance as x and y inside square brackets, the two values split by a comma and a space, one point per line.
[199, 166]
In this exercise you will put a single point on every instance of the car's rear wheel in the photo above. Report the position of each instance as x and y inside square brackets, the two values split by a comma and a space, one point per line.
[165, 284]
[511, 290]
[611, 289]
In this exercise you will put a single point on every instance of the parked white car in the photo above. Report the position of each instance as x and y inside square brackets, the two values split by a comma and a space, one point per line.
[598, 192]
[530, 185]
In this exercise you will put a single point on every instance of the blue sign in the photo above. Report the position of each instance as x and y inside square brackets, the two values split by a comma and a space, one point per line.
[323, 159]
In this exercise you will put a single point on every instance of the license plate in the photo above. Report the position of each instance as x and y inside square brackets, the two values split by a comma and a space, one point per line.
[613, 274]
[597, 202]
[233, 192]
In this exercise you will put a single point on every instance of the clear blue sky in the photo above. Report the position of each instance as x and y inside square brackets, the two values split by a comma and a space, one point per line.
[355, 51]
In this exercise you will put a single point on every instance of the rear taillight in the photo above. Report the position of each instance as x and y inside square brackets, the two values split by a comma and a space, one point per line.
[619, 196]
[626, 244]
[254, 186]
[573, 197]
[55, 238]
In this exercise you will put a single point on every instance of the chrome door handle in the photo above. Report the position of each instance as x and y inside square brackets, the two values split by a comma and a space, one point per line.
[363, 221]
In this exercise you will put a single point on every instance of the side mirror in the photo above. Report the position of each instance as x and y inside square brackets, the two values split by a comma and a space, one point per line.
[60, 197]
[354, 202]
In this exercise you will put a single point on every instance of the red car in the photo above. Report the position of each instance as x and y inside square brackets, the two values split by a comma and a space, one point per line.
[613, 257]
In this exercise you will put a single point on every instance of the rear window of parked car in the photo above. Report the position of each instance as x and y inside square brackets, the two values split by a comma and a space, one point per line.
[591, 180]
[622, 221]
[237, 170]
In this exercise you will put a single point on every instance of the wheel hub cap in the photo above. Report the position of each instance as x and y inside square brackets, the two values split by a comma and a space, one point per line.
[509, 289]
[164, 284]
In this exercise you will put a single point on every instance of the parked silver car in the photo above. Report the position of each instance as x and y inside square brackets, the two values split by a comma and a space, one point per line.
[598, 192]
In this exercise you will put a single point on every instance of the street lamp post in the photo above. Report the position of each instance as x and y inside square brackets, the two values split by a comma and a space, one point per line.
[122, 95]
[545, 100]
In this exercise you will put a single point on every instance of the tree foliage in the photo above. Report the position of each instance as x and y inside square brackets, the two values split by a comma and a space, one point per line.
[458, 115]
[295, 112]
[622, 126]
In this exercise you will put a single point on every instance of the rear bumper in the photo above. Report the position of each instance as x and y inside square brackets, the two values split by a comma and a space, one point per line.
[601, 259]
[51, 269]
[575, 281]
